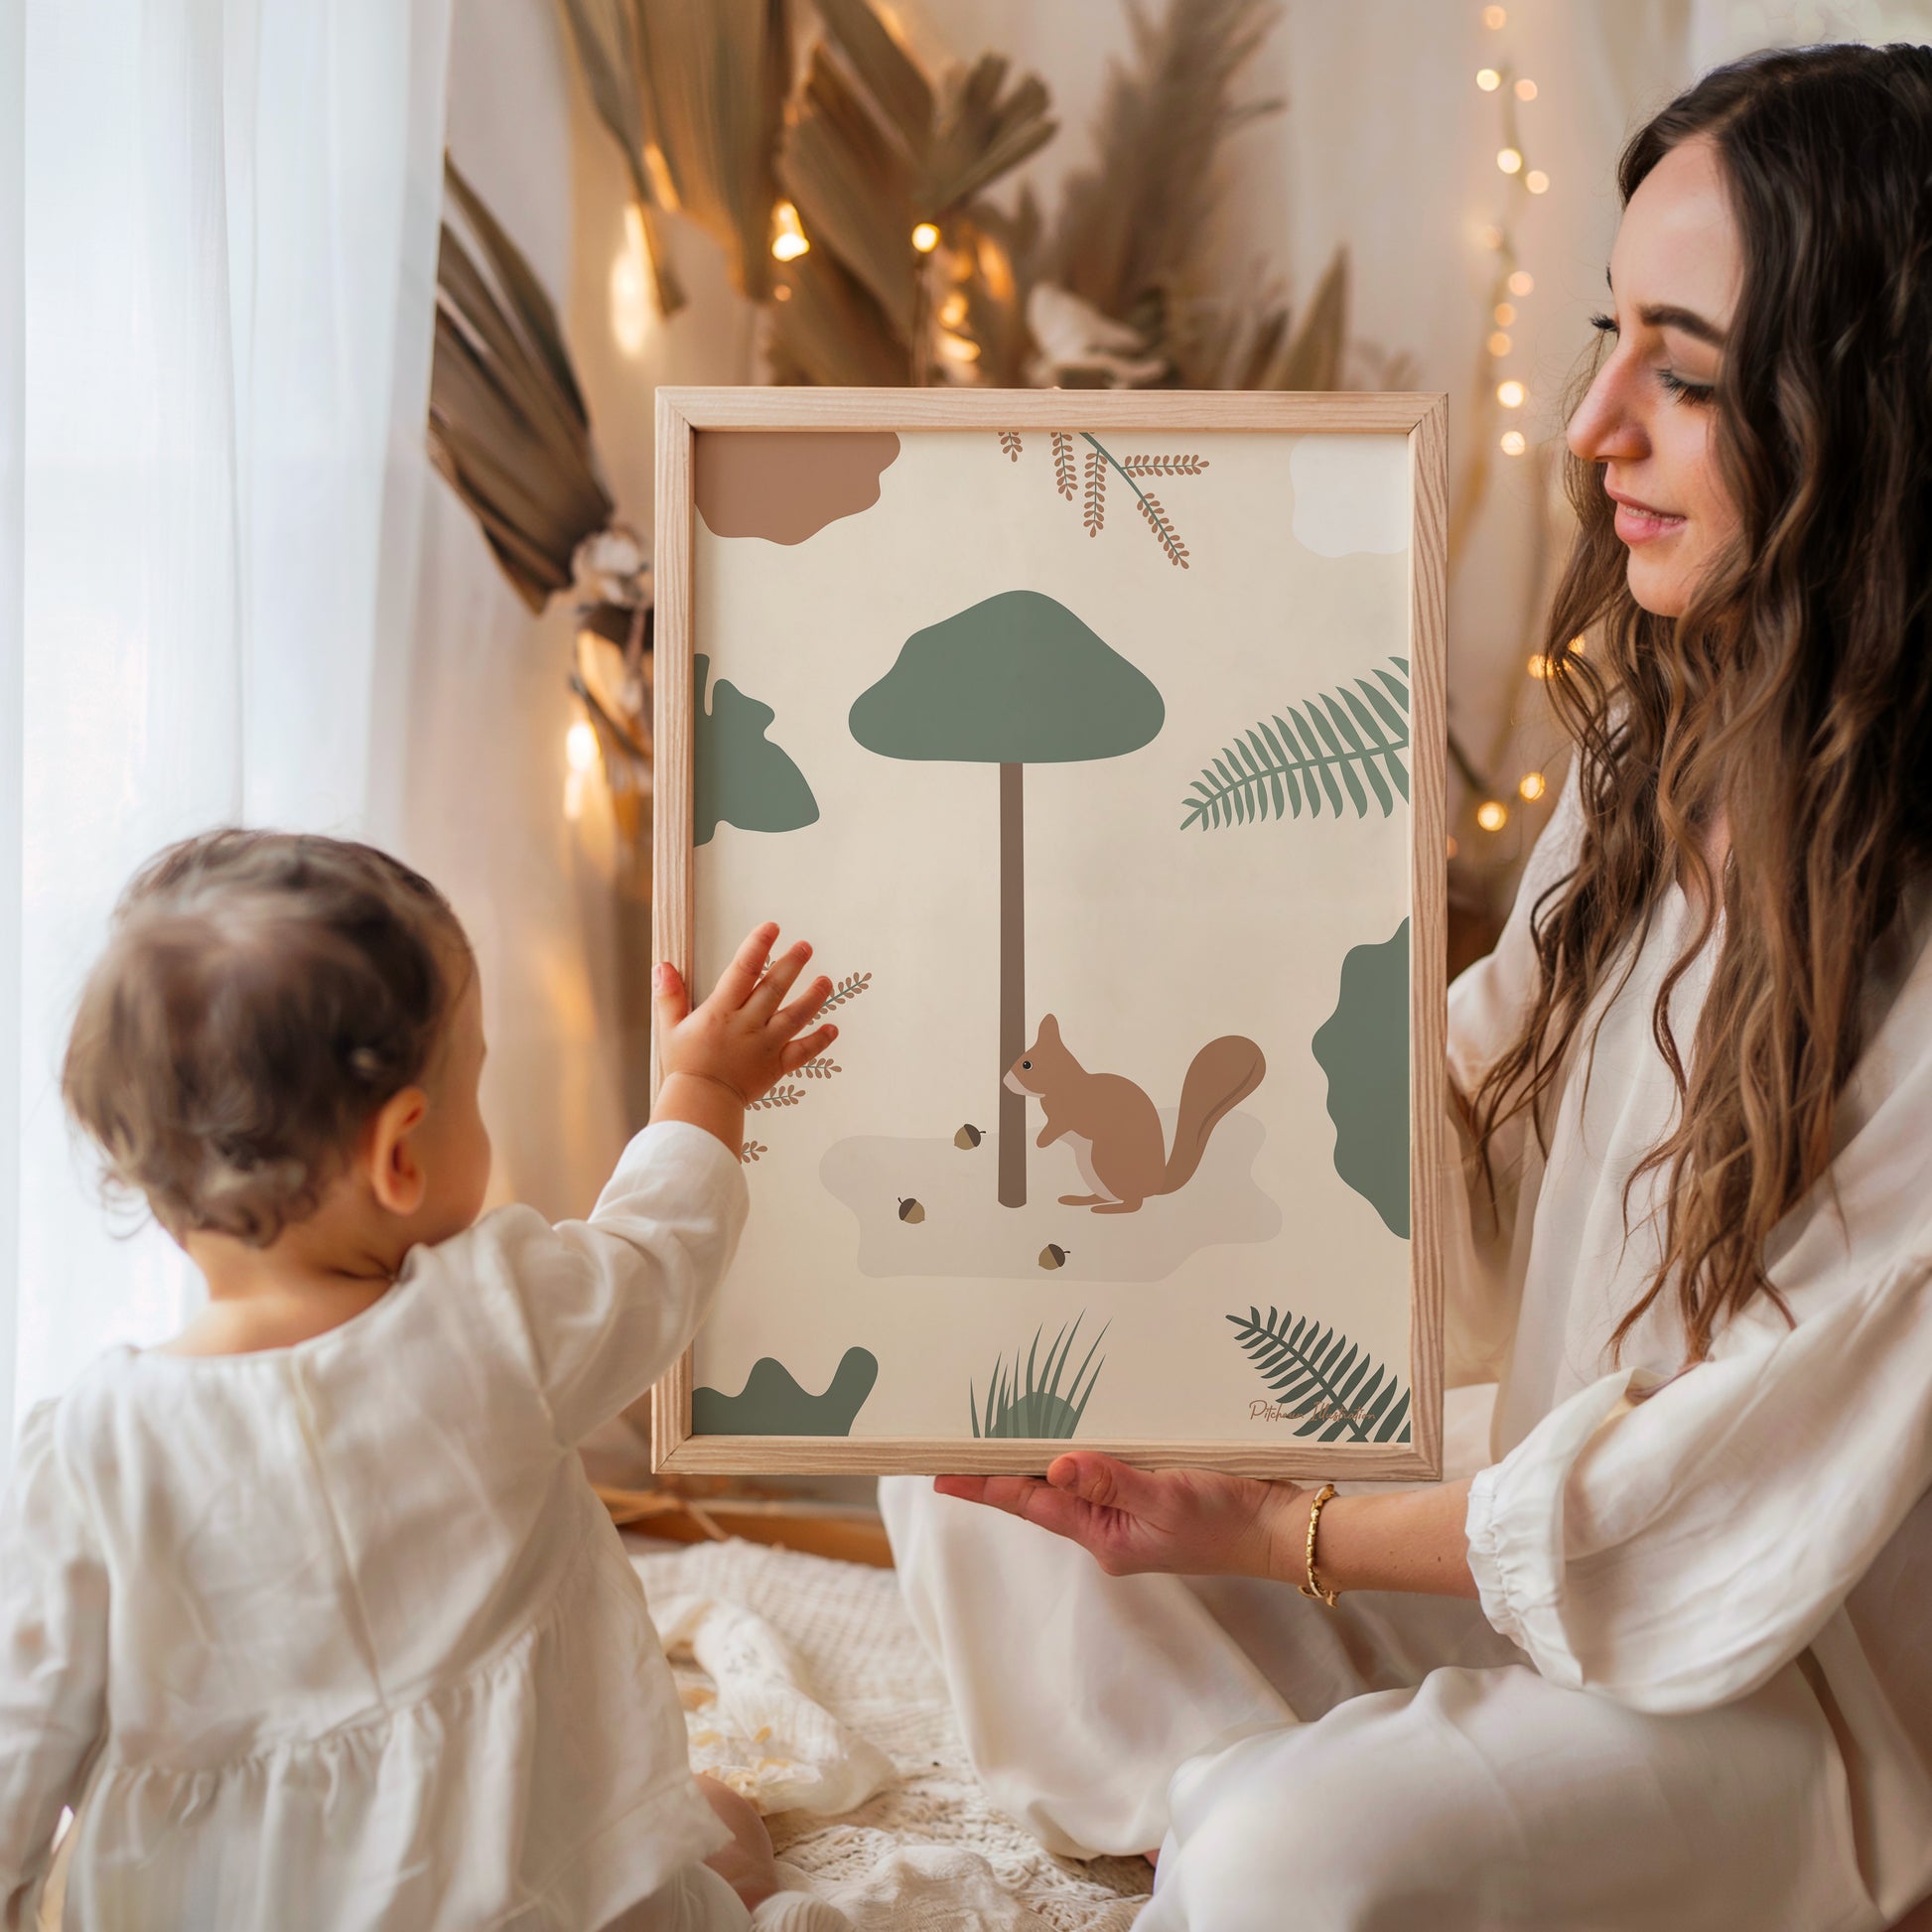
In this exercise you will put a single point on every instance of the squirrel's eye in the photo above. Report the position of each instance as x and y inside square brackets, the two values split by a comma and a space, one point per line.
[1027, 1065]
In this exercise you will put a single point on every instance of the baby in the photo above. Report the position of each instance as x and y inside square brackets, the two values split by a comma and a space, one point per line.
[310, 1613]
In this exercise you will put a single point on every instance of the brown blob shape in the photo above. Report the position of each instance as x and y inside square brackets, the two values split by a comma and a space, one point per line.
[788, 485]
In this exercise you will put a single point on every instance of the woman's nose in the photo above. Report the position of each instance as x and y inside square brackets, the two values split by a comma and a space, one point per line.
[1607, 426]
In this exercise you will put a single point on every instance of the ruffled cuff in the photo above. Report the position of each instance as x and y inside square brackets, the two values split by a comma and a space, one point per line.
[1515, 1528]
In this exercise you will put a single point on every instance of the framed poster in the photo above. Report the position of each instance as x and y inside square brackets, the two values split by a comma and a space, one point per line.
[1095, 740]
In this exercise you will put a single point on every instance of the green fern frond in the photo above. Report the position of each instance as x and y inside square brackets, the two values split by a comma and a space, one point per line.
[1324, 1380]
[1342, 746]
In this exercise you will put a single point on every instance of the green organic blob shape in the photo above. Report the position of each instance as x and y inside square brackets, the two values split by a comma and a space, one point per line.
[742, 777]
[772, 1404]
[1016, 679]
[1363, 1048]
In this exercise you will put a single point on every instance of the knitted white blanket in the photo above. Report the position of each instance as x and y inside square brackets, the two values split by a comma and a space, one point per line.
[806, 1687]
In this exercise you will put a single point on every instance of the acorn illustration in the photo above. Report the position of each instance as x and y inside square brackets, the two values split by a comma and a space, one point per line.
[968, 1136]
[910, 1211]
[1053, 1254]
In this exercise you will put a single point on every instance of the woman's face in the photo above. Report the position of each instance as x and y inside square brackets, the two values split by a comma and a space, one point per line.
[1648, 418]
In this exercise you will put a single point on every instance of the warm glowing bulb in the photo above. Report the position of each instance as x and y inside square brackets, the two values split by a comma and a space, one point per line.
[1511, 393]
[789, 239]
[1490, 235]
[1489, 79]
[1576, 644]
[1505, 314]
[926, 237]
[1499, 344]
[1493, 18]
[1513, 442]
[1492, 815]
[1509, 160]
[579, 745]
[1539, 665]
[782, 293]
[1522, 282]
[1537, 181]
[1530, 786]
[952, 310]
[1526, 91]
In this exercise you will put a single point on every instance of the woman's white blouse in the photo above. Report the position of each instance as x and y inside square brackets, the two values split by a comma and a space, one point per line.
[1672, 1539]
[337, 1634]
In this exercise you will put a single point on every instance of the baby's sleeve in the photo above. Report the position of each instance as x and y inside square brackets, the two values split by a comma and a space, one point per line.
[611, 1302]
[53, 1661]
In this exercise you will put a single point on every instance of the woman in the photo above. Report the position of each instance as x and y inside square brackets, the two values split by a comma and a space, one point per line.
[1665, 1658]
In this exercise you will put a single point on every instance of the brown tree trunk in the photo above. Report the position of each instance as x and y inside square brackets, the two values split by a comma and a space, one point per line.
[1012, 986]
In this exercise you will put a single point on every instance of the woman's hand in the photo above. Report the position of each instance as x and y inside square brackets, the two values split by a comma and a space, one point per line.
[720, 1056]
[1200, 1522]
[1187, 1522]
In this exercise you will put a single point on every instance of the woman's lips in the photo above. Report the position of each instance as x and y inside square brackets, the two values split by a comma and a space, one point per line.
[1638, 523]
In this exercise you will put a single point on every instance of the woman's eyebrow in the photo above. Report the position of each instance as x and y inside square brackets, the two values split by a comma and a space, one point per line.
[1687, 321]
[1665, 315]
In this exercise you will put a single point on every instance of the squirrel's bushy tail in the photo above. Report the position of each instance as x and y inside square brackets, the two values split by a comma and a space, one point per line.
[1223, 1074]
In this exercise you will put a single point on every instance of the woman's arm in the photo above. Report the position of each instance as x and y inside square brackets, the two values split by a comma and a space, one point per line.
[1199, 1522]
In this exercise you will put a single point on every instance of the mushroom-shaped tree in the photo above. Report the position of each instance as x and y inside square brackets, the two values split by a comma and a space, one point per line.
[1013, 681]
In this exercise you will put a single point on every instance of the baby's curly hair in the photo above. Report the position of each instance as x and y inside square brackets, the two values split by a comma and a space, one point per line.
[261, 995]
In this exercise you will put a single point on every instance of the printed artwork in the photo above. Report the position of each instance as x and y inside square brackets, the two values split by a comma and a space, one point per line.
[1102, 831]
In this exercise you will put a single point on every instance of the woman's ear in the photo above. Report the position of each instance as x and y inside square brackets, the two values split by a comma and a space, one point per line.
[395, 1174]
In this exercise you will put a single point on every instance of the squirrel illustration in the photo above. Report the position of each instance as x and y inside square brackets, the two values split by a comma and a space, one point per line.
[1112, 1126]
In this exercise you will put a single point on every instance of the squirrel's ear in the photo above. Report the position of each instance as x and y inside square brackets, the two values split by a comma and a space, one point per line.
[1049, 1025]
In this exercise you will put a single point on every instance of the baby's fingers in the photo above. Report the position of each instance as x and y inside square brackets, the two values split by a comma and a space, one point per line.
[798, 1052]
[777, 983]
[789, 1019]
[736, 981]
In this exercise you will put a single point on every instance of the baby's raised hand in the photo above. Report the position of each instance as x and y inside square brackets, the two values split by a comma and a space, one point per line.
[740, 1041]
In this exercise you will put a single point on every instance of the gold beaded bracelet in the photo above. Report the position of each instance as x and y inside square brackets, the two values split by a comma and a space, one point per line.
[1312, 1587]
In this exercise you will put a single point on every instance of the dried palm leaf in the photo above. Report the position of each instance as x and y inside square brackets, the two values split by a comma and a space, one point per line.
[606, 38]
[980, 135]
[832, 331]
[507, 427]
[1313, 358]
[714, 89]
[885, 69]
[1131, 227]
[852, 187]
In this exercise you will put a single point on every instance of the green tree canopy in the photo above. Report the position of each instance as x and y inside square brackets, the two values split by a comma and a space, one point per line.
[1016, 679]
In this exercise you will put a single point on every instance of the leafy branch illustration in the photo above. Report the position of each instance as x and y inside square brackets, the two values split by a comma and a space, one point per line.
[750, 1150]
[1324, 1381]
[781, 1096]
[1064, 463]
[1094, 497]
[1325, 745]
[845, 990]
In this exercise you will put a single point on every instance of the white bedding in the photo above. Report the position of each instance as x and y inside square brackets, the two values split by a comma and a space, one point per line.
[806, 1687]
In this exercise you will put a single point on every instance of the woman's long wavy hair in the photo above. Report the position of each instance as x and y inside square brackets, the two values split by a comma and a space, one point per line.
[1796, 689]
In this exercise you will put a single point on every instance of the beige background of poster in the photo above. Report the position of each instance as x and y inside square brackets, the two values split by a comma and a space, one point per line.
[1145, 941]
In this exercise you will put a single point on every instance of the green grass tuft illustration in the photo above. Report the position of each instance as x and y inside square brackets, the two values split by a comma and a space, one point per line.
[1033, 1407]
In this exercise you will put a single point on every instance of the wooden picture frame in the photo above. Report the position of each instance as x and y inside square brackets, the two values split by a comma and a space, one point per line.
[1036, 420]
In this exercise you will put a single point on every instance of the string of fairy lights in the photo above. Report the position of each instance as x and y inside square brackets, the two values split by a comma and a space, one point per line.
[1510, 285]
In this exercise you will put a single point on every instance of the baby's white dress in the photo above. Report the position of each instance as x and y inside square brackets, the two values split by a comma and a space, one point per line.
[1698, 1691]
[337, 1635]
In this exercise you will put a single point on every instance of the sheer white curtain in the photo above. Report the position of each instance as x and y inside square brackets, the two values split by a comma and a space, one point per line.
[219, 232]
